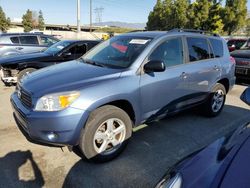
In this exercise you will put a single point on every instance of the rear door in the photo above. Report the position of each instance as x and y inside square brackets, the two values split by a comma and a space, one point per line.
[204, 70]
[29, 44]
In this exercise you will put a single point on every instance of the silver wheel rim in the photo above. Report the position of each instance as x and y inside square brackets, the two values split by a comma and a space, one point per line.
[109, 136]
[218, 100]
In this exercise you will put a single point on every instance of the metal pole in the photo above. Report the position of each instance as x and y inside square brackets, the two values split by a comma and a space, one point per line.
[90, 15]
[78, 17]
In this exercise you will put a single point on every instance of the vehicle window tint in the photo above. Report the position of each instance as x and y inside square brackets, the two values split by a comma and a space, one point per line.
[47, 41]
[198, 49]
[28, 40]
[14, 40]
[78, 50]
[217, 47]
[170, 52]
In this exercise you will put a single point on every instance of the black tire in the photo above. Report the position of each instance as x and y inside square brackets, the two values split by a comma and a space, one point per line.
[207, 108]
[94, 122]
[23, 72]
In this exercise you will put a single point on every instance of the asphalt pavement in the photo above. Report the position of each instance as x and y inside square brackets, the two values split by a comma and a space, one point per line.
[151, 151]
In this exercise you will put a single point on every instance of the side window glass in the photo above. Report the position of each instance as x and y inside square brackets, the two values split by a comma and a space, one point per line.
[47, 41]
[80, 50]
[217, 46]
[197, 48]
[14, 40]
[28, 40]
[170, 52]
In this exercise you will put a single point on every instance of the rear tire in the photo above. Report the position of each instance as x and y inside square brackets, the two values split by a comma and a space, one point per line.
[105, 134]
[215, 102]
[24, 72]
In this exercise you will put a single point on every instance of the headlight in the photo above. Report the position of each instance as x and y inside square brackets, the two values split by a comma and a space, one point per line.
[174, 182]
[56, 101]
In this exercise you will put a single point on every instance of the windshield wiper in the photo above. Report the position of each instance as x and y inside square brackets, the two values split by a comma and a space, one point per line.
[93, 63]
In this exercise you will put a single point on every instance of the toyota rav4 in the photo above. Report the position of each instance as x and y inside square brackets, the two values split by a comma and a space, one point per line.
[94, 102]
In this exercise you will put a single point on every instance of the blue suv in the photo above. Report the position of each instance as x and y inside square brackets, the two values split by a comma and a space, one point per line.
[94, 102]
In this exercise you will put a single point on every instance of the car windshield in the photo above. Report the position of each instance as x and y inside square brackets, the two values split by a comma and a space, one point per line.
[57, 47]
[118, 52]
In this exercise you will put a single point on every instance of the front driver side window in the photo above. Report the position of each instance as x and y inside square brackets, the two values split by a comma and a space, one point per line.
[170, 52]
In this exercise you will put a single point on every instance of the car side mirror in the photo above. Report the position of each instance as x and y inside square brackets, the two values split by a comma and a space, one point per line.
[154, 66]
[245, 96]
[66, 54]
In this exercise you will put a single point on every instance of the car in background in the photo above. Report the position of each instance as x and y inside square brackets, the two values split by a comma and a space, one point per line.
[225, 163]
[13, 68]
[235, 44]
[242, 59]
[94, 102]
[18, 43]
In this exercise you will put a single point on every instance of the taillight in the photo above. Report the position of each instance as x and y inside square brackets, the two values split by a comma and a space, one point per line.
[232, 60]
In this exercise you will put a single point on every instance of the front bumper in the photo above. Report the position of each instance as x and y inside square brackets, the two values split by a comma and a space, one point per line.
[7, 77]
[38, 127]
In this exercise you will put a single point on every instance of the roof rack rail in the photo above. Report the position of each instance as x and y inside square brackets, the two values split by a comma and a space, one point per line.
[194, 31]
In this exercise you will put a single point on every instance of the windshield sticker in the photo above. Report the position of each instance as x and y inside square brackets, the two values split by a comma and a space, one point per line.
[60, 47]
[138, 41]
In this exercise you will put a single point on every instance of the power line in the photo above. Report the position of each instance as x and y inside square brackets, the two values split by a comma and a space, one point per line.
[98, 13]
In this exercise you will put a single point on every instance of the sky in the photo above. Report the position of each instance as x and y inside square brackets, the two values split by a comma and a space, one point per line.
[64, 11]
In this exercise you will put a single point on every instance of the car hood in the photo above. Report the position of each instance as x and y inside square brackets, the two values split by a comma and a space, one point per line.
[68, 76]
[241, 54]
[207, 167]
[25, 57]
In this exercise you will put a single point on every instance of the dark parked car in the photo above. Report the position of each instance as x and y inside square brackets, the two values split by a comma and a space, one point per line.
[224, 164]
[15, 67]
[18, 43]
[125, 81]
[242, 58]
[235, 44]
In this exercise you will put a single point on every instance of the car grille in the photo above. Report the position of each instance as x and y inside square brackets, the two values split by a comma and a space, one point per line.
[24, 96]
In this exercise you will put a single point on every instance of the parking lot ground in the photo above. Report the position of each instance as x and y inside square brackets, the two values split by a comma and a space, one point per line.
[151, 151]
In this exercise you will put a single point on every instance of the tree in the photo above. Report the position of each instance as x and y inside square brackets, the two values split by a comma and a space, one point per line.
[178, 15]
[41, 24]
[198, 14]
[4, 22]
[234, 16]
[214, 22]
[155, 18]
[27, 21]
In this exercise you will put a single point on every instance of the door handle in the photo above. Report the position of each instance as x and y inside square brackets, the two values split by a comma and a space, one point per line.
[183, 75]
[19, 48]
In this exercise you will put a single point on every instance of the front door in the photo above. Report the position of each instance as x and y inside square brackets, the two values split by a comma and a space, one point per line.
[162, 92]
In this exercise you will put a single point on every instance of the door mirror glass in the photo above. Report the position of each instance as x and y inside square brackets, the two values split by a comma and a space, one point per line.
[245, 96]
[154, 66]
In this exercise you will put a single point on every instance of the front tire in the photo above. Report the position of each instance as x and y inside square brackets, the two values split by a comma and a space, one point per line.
[105, 134]
[216, 101]
[24, 72]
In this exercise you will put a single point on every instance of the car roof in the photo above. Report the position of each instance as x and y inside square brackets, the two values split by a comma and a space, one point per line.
[157, 34]
[76, 41]
[23, 34]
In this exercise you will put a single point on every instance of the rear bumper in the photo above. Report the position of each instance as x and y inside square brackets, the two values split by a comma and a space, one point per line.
[242, 72]
[61, 128]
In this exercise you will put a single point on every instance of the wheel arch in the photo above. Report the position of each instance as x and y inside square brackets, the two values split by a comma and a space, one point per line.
[225, 83]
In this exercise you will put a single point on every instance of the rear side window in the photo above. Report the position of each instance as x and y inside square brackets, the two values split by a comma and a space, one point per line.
[14, 40]
[198, 49]
[217, 46]
[47, 41]
[28, 40]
